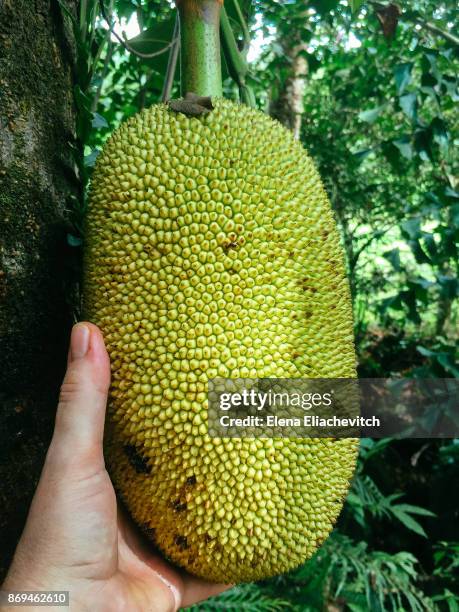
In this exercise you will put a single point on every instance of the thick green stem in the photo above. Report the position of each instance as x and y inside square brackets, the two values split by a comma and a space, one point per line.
[200, 47]
[243, 24]
[235, 60]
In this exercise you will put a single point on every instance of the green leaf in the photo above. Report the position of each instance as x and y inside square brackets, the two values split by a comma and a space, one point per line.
[392, 154]
[450, 84]
[90, 160]
[66, 11]
[353, 499]
[418, 252]
[402, 75]
[408, 104]
[449, 598]
[448, 364]
[408, 521]
[126, 8]
[394, 257]
[426, 352]
[84, 116]
[370, 115]
[415, 510]
[440, 132]
[74, 241]
[355, 5]
[403, 144]
[244, 598]
[353, 607]
[98, 121]
[153, 40]
[361, 155]
[412, 227]
[324, 6]
[423, 143]
[429, 59]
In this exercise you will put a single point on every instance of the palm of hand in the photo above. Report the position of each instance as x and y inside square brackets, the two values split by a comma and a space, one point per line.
[128, 571]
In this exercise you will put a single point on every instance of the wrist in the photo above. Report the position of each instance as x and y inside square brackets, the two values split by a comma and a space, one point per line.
[19, 585]
[31, 579]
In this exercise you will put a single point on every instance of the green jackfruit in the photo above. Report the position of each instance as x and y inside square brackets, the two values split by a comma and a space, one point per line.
[211, 251]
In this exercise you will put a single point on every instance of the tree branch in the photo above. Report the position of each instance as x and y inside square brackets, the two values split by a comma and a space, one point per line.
[436, 30]
[427, 25]
[172, 62]
[108, 57]
[123, 41]
[375, 236]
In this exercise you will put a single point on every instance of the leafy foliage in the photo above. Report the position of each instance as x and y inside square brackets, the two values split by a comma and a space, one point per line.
[249, 597]
[366, 497]
[367, 580]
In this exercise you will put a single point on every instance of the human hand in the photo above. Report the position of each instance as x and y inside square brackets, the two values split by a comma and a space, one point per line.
[76, 537]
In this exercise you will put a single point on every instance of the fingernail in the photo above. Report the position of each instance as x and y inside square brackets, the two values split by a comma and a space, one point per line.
[79, 341]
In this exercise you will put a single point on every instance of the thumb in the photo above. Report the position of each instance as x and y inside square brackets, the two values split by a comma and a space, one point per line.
[79, 427]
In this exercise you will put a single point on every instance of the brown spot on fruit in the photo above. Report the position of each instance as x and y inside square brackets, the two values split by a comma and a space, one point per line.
[139, 463]
[181, 542]
[179, 506]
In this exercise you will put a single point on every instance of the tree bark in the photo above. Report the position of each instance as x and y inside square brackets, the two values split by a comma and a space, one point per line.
[288, 107]
[37, 184]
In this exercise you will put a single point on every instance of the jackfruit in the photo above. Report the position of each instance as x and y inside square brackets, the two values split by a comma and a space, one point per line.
[211, 251]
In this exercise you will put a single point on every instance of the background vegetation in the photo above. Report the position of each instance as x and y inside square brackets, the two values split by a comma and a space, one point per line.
[371, 91]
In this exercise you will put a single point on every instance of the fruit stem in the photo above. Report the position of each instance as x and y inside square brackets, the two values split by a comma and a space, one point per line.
[200, 46]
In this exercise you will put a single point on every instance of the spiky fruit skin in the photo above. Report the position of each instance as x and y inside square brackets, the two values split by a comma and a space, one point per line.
[211, 250]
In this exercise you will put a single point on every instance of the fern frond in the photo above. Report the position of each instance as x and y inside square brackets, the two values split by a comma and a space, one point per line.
[366, 497]
[244, 598]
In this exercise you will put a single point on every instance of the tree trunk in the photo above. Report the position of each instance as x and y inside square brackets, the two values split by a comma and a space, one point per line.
[37, 184]
[288, 107]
